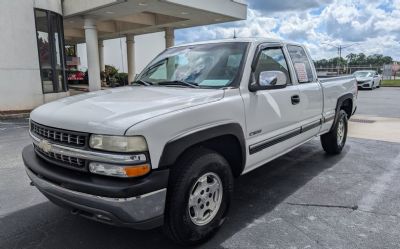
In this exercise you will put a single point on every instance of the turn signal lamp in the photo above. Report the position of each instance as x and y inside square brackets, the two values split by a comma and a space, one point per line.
[124, 171]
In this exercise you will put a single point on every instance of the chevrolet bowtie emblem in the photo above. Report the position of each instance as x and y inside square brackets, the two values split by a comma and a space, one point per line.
[45, 146]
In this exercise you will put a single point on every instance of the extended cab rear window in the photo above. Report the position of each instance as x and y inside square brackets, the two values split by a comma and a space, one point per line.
[301, 64]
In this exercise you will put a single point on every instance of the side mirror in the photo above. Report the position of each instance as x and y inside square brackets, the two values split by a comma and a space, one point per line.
[269, 80]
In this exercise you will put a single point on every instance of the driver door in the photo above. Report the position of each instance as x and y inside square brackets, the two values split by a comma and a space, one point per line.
[272, 116]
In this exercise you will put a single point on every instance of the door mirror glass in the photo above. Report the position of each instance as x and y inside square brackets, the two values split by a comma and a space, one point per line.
[272, 78]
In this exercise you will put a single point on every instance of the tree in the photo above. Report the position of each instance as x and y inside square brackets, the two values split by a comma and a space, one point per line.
[321, 63]
[387, 60]
[361, 59]
[351, 58]
[376, 60]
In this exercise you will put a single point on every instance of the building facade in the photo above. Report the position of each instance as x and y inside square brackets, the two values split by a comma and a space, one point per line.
[35, 32]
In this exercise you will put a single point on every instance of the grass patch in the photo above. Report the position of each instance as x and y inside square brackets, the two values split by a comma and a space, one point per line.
[391, 83]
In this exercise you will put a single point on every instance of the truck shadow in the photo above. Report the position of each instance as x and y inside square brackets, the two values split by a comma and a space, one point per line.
[256, 194]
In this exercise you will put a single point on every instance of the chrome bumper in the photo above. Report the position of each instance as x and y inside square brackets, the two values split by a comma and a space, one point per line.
[140, 212]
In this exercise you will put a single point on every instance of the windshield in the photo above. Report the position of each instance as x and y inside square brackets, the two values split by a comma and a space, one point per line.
[205, 65]
[363, 74]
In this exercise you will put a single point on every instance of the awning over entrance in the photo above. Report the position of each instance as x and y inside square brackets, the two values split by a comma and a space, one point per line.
[93, 21]
[114, 18]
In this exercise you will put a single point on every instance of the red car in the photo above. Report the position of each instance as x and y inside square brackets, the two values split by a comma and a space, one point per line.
[76, 77]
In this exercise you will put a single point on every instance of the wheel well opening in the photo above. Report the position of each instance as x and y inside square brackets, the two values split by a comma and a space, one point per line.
[228, 146]
[347, 106]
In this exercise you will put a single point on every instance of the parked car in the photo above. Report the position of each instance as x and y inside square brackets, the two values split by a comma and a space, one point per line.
[165, 151]
[368, 79]
[76, 77]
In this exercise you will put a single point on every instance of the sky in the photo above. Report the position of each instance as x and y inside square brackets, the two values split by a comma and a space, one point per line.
[369, 26]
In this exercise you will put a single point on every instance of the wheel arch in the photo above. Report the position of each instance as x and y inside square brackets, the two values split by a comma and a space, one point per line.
[344, 102]
[226, 139]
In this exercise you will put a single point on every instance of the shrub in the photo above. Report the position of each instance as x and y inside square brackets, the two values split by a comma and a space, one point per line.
[122, 78]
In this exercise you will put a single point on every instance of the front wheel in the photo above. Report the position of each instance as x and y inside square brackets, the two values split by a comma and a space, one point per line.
[199, 195]
[334, 141]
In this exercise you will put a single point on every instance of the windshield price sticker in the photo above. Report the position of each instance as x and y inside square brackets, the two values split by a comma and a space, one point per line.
[301, 72]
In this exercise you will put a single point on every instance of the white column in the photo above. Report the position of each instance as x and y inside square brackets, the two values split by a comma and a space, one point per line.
[101, 55]
[92, 50]
[130, 51]
[169, 37]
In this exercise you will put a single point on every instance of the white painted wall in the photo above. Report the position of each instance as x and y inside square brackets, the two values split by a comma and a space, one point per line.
[20, 82]
[146, 48]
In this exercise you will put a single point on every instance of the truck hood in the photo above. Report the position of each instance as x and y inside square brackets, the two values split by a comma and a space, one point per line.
[114, 111]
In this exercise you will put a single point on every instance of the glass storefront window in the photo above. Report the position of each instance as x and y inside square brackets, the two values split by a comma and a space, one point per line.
[49, 30]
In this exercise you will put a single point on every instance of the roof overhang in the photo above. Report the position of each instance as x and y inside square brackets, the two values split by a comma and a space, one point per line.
[115, 18]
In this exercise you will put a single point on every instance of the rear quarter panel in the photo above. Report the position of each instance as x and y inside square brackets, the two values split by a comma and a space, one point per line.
[333, 89]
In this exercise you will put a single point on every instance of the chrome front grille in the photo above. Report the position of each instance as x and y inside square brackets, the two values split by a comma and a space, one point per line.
[62, 160]
[75, 139]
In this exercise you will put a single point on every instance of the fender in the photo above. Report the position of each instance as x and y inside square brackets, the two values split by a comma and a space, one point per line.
[175, 148]
[339, 104]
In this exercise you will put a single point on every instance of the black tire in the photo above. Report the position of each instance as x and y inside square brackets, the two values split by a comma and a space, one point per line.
[330, 141]
[194, 164]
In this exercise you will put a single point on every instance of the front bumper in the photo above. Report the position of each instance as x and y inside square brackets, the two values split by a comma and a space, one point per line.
[364, 85]
[136, 203]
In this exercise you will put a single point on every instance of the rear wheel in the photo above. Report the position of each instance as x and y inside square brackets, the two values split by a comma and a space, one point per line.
[199, 195]
[334, 141]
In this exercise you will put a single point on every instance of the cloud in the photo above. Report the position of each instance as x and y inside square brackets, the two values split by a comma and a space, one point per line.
[373, 26]
[256, 25]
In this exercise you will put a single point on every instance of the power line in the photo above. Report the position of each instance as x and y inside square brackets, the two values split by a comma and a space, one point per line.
[340, 48]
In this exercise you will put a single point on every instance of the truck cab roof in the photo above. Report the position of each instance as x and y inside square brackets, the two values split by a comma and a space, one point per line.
[256, 40]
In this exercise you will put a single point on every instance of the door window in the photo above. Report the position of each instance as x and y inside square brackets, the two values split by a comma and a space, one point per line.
[301, 64]
[272, 59]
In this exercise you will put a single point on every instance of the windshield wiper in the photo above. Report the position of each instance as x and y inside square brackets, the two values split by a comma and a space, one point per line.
[178, 82]
[142, 82]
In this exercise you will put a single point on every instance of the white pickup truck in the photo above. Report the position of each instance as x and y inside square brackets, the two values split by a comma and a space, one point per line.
[165, 150]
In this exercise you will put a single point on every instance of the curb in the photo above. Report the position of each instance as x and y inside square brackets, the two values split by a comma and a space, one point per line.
[82, 89]
[14, 115]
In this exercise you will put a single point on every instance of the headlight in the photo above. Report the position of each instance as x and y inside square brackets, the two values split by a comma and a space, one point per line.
[119, 170]
[118, 143]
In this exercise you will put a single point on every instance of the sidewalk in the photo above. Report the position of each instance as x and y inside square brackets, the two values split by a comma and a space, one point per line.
[375, 128]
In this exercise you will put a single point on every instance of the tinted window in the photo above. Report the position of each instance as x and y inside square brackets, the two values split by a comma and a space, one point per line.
[301, 64]
[272, 59]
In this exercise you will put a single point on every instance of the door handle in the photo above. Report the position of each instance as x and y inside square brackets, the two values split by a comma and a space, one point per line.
[295, 99]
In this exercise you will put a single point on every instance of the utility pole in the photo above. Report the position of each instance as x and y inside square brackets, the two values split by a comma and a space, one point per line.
[340, 49]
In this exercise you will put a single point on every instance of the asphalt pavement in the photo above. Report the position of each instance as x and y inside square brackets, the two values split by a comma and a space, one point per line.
[304, 199]
[383, 102]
